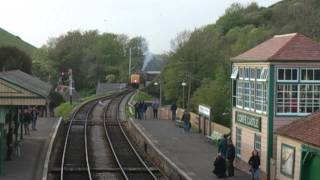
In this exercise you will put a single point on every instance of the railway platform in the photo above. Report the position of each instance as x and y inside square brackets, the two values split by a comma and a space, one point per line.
[33, 151]
[189, 151]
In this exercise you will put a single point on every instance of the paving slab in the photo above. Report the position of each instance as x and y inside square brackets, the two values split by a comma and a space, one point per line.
[191, 151]
[33, 150]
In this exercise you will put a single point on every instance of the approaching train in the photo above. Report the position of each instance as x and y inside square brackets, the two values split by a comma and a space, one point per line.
[136, 79]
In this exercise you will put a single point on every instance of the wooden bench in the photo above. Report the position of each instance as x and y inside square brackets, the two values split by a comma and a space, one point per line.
[179, 123]
[214, 137]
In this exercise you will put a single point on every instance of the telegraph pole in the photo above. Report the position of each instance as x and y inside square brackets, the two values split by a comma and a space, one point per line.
[129, 62]
[189, 91]
[70, 85]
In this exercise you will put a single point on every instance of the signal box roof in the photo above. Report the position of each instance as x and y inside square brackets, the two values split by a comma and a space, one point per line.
[287, 47]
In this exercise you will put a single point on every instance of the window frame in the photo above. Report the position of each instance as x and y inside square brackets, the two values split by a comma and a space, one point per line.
[257, 142]
[313, 71]
[238, 141]
[235, 72]
[283, 145]
[302, 100]
[263, 75]
[245, 88]
[284, 75]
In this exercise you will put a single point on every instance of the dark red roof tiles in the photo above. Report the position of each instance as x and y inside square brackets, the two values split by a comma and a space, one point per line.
[306, 129]
[287, 47]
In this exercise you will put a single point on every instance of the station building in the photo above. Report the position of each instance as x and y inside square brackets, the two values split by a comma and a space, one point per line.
[18, 90]
[273, 84]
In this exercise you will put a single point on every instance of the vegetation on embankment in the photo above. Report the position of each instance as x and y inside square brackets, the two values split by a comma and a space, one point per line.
[206, 52]
[142, 96]
[65, 109]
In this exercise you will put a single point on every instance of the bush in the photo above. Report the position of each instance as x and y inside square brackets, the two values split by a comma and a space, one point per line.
[65, 109]
[142, 96]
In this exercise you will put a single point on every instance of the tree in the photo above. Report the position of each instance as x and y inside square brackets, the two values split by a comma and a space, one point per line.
[13, 58]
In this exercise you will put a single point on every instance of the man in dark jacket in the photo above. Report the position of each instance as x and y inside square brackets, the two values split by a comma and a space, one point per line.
[145, 108]
[186, 121]
[9, 144]
[140, 106]
[173, 111]
[136, 110]
[231, 153]
[220, 167]
[223, 146]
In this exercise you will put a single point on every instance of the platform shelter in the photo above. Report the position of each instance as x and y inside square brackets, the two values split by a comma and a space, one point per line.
[18, 90]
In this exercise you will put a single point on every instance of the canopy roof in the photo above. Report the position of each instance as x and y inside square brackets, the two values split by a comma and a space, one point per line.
[27, 81]
[306, 129]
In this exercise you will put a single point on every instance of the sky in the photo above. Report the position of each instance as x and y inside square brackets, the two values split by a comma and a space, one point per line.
[159, 21]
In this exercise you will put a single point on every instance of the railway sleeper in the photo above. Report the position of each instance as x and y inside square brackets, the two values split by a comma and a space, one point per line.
[73, 169]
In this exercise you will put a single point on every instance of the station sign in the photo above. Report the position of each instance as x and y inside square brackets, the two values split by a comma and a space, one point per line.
[248, 120]
[204, 111]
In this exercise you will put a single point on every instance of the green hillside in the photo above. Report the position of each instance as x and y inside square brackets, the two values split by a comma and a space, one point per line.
[8, 39]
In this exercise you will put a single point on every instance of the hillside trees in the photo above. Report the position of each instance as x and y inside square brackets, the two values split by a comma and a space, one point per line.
[12, 58]
[92, 56]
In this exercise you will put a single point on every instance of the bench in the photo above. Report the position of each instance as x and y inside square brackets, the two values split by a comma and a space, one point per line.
[179, 123]
[214, 137]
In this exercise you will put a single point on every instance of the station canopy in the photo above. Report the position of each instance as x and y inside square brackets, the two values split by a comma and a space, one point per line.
[19, 88]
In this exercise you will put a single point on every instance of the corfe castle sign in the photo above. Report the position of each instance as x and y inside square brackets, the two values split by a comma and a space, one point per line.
[248, 120]
[204, 110]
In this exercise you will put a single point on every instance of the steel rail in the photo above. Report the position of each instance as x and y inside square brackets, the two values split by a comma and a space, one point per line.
[127, 140]
[85, 134]
[110, 143]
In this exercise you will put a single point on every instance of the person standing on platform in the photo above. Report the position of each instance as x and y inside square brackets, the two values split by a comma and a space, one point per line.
[186, 121]
[34, 117]
[173, 111]
[155, 106]
[220, 166]
[9, 144]
[145, 108]
[254, 163]
[136, 110]
[231, 153]
[26, 121]
[140, 106]
[223, 146]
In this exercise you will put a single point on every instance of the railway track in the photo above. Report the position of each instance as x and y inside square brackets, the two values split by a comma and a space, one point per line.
[96, 146]
[75, 164]
[131, 164]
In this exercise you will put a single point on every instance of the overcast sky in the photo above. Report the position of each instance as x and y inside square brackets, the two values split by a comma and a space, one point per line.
[35, 21]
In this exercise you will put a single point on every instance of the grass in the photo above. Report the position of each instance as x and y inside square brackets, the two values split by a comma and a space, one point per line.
[65, 109]
[142, 96]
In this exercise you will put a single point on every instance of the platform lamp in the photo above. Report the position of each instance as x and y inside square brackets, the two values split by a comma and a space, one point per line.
[160, 92]
[184, 84]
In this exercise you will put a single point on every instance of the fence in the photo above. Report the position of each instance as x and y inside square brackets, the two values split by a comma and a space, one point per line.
[204, 126]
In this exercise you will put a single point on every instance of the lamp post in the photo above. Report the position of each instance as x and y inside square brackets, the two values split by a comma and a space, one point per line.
[70, 85]
[160, 92]
[184, 84]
